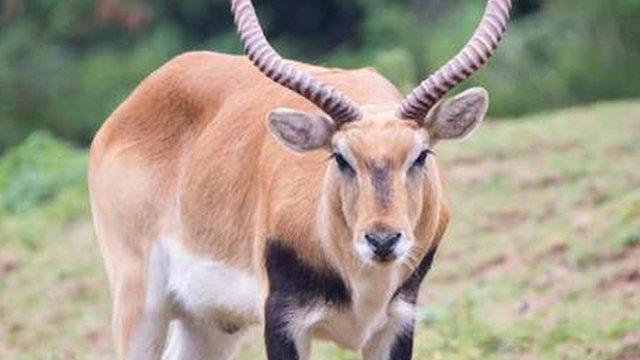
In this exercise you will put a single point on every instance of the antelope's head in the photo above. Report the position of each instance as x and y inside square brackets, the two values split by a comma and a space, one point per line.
[379, 181]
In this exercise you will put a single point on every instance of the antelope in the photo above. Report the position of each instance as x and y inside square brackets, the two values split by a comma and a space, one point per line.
[231, 191]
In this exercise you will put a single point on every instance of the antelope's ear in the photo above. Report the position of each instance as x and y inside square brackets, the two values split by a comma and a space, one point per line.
[300, 131]
[457, 117]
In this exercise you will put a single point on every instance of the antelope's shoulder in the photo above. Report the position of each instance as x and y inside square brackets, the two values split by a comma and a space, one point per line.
[293, 279]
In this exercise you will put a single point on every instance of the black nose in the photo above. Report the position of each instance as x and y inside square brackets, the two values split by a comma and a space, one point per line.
[383, 243]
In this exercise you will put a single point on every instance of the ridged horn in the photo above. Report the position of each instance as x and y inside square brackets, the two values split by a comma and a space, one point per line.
[271, 64]
[470, 59]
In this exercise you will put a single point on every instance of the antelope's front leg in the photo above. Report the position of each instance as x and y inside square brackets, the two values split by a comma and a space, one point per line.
[282, 340]
[299, 296]
[395, 340]
[402, 347]
[286, 332]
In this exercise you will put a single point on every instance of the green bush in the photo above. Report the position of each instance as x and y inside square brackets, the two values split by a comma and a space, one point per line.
[570, 52]
[38, 171]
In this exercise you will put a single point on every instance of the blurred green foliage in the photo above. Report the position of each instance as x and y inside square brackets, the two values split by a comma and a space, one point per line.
[65, 65]
[37, 171]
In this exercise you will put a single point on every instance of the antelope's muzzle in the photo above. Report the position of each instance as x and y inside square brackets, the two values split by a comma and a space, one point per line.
[383, 244]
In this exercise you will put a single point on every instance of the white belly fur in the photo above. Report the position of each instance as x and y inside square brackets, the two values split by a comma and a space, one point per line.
[205, 289]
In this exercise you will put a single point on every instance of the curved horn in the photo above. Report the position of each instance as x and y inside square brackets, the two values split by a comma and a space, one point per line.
[270, 63]
[469, 60]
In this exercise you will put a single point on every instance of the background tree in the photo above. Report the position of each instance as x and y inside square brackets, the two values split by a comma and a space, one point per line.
[65, 65]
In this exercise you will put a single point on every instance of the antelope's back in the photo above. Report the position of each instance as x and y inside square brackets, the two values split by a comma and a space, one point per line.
[197, 125]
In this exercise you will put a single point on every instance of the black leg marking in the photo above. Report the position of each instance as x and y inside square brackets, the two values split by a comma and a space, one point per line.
[279, 344]
[297, 281]
[402, 348]
[294, 285]
[410, 288]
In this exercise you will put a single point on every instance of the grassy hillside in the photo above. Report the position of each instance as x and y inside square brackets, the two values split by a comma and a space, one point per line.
[542, 259]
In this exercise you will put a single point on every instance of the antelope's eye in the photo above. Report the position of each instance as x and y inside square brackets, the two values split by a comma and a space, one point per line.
[343, 164]
[421, 160]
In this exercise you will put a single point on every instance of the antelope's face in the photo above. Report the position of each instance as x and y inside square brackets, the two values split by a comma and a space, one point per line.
[381, 163]
[381, 169]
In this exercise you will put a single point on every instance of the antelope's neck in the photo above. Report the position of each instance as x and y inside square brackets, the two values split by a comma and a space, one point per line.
[370, 282]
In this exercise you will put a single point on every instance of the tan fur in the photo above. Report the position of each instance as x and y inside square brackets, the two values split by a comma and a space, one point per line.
[189, 154]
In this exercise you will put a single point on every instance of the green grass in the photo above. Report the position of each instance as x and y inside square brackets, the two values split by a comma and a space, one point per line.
[541, 261]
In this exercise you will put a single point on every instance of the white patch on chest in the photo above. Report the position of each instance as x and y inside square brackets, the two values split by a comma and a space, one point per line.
[370, 311]
[205, 288]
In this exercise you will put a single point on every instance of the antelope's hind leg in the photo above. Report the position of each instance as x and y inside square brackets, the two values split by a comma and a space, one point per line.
[141, 309]
[195, 340]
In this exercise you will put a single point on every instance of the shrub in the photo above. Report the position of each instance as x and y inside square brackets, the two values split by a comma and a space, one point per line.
[37, 171]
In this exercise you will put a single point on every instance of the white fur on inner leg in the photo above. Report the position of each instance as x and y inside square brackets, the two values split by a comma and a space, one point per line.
[200, 341]
[401, 315]
[150, 334]
[301, 323]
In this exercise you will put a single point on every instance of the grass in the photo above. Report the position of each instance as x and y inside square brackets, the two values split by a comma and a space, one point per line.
[542, 259]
